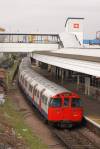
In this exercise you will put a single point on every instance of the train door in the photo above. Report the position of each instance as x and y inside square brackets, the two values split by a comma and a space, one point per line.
[66, 109]
[34, 92]
[40, 99]
[44, 104]
[35, 98]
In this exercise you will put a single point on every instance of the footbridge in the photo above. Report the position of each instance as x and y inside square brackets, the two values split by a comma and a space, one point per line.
[28, 42]
[54, 50]
[63, 50]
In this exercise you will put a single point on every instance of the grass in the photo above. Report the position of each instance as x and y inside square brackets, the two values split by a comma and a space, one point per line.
[12, 118]
[15, 119]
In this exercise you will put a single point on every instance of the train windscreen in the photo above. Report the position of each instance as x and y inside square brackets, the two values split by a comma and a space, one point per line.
[55, 102]
[66, 102]
[76, 102]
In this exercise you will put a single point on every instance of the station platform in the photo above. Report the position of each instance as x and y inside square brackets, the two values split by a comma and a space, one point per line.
[91, 106]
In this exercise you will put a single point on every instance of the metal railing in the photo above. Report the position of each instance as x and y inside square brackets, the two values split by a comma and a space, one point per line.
[30, 38]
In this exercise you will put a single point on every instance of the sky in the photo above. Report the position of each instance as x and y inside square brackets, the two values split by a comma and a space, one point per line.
[48, 16]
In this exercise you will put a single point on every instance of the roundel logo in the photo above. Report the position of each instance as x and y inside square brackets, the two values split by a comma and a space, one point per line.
[75, 25]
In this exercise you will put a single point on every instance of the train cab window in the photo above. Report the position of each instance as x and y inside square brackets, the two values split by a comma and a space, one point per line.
[76, 102]
[66, 102]
[55, 102]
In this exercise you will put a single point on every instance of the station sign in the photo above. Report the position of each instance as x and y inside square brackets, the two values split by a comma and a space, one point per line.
[76, 25]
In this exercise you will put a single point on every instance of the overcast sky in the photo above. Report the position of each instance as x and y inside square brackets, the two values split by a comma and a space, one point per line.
[48, 16]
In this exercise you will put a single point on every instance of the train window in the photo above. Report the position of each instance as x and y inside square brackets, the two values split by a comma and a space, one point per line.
[21, 77]
[22, 80]
[42, 93]
[55, 102]
[37, 93]
[25, 83]
[44, 99]
[76, 102]
[66, 102]
[30, 88]
[34, 89]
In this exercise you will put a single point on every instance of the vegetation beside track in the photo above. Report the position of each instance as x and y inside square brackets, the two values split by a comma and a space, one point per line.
[10, 74]
[12, 120]
[14, 132]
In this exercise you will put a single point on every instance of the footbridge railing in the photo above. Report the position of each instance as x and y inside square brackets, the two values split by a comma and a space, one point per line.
[29, 38]
[28, 42]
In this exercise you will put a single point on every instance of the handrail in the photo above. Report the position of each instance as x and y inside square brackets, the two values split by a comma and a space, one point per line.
[29, 38]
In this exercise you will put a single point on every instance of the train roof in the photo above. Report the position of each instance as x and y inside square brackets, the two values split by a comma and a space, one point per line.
[26, 69]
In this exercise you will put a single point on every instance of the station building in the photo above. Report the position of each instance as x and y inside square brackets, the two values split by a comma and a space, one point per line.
[73, 63]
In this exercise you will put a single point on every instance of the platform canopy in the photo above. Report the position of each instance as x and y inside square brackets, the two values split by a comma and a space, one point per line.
[93, 52]
[87, 67]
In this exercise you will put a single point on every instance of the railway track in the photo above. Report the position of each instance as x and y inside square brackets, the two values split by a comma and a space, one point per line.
[87, 137]
[78, 138]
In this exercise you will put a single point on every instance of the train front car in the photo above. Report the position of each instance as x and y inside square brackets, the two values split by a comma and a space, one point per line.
[65, 110]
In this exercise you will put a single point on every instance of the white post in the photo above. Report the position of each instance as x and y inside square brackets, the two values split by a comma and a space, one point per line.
[78, 81]
[87, 85]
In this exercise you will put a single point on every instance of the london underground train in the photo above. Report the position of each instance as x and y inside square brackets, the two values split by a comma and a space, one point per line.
[56, 104]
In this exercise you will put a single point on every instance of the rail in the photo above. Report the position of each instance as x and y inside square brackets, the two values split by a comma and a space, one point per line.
[81, 138]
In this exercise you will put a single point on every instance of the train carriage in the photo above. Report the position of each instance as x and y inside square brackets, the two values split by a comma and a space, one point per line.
[57, 104]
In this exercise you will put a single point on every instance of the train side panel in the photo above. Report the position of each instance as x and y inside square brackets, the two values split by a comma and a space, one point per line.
[39, 102]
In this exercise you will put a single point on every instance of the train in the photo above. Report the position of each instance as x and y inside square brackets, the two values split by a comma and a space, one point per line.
[56, 104]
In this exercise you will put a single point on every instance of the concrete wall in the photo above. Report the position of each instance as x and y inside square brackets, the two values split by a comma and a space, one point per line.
[26, 47]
